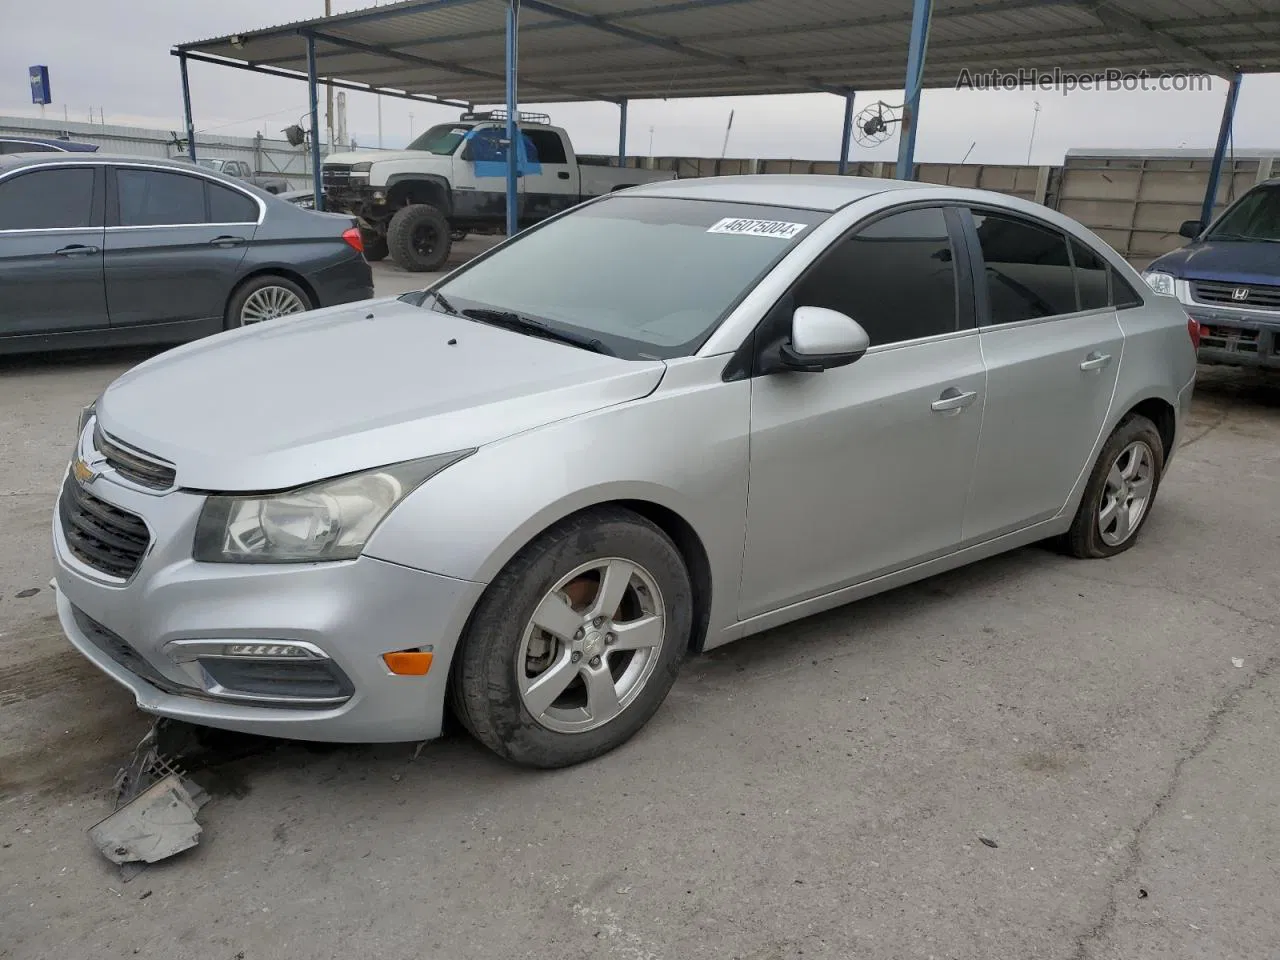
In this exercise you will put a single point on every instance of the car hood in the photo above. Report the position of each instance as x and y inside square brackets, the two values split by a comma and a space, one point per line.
[344, 389]
[375, 156]
[1228, 261]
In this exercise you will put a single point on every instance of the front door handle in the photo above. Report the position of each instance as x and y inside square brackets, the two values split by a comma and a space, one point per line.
[953, 400]
[1096, 361]
[77, 250]
[563, 175]
[226, 241]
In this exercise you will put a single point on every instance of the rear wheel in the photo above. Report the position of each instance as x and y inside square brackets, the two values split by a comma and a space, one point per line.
[577, 641]
[1121, 490]
[375, 245]
[265, 298]
[418, 238]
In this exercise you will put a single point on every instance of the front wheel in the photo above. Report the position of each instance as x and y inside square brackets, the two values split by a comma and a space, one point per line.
[1118, 497]
[418, 238]
[577, 641]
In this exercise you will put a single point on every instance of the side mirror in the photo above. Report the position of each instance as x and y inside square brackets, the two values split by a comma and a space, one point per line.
[822, 339]
[1190, 229]
[468, 152]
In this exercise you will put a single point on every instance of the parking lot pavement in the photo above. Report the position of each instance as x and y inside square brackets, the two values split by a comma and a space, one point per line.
[823, 789]
[389, 279]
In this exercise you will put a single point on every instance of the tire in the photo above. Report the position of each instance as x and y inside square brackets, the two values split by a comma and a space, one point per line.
[252, 301]
[1135, 453]
[502, 652]
[375, 245]
[418, 238]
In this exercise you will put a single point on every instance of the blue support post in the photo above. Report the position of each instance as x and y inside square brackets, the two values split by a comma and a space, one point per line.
[1219, 152]
[513, 125]
[622, 132]
[846, 134]
[921, 13]
[317, 183]
[186, 107]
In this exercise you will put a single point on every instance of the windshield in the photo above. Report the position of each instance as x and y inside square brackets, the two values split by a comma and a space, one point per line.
[1256, 217]
[441, 139]
[649, 277]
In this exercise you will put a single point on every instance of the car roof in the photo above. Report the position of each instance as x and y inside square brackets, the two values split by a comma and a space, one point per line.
[806, 191]
[14, 160]
[70, 146]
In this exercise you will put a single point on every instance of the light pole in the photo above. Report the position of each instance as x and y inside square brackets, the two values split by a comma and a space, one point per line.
[1034, 118]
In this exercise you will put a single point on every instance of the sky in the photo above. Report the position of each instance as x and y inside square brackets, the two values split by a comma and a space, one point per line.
[112, 57]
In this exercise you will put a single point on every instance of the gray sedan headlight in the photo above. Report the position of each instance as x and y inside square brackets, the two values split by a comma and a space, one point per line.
[330, 520]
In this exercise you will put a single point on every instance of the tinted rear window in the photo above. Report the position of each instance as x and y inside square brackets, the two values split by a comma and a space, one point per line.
[230, 206]
[154, 198]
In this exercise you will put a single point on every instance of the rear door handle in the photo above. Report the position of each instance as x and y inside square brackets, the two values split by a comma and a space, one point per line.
[953, 400]
[1096, 361]
[226, 241]
[77, 250]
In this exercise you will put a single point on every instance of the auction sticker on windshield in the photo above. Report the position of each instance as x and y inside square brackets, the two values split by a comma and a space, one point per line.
[777, 229]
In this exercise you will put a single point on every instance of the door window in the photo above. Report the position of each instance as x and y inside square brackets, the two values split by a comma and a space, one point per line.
[154, 198]
[1028, 271]
[896, 277]
[47, 199]
[230, 206]
[547, 145]
[1091, 277]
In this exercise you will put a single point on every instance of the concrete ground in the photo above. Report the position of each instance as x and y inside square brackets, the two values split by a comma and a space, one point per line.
[823, 790]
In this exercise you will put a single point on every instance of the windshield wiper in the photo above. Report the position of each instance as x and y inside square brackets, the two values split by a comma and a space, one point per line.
[514, 321]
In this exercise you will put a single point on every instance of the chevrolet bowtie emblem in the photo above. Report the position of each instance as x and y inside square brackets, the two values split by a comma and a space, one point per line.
[82, 471]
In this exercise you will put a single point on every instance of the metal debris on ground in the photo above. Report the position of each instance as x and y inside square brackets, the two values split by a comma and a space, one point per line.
[989, 842]
[156, 806]
[154, 825]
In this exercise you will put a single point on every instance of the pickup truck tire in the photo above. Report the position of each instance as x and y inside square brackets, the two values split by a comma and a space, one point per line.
[375, 246]
[419, 238]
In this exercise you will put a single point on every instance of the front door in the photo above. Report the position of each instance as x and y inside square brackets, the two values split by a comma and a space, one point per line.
[1052, 354]
[168, 257]
[51, 241]
[865, 469]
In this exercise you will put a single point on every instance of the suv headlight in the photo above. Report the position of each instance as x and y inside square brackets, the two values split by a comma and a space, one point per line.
[330, 520]
[1161, 283]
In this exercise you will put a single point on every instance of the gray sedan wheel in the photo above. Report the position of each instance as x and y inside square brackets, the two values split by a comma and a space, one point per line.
[266, 298]
[1118, 497]
[576, 642]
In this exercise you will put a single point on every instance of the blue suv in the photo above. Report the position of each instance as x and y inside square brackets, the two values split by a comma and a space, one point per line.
[1228, 279]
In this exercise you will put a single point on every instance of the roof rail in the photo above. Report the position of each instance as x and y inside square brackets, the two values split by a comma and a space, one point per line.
[543, 118]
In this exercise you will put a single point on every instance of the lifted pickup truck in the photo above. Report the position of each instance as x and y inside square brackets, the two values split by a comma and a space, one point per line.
[451, 181]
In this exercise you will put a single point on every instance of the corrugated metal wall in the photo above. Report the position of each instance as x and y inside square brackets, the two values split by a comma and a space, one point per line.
[1133, 201]
[268, 158]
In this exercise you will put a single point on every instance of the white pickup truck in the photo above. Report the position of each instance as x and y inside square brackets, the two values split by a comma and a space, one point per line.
[451, 181]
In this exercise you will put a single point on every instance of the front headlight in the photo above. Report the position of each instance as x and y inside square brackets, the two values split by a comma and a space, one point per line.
[1161, 283]
[86, 414]
[330, 520]
[361, 169]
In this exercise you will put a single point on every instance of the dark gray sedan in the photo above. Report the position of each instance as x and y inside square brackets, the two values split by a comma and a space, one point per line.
[98, 250]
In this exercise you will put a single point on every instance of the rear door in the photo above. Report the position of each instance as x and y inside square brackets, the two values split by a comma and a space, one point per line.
[51, 242]
[551, 174]
[1052, 348]
[174, 245]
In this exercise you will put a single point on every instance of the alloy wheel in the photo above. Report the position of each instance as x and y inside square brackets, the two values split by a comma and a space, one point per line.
[267, 303]
[591, 645]
[1127, 493]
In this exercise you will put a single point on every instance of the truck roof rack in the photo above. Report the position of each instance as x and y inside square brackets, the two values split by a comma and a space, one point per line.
[483, 115]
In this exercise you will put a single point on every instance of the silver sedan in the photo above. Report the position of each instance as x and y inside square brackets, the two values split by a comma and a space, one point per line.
[662, 421]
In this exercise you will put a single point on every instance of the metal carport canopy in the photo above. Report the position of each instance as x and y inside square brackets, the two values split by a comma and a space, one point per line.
[617, 50]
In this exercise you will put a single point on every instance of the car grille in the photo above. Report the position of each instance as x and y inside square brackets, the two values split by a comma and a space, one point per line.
[100, 535]
[115, 647]
[1256, 295]
[335, 175]
[139, 467]
[1236, 339]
